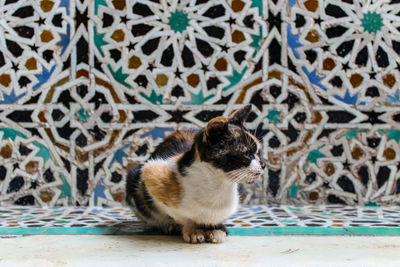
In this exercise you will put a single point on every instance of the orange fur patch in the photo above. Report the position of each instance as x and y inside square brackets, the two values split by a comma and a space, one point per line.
[177, 157]
[162, 183]
[233, 113]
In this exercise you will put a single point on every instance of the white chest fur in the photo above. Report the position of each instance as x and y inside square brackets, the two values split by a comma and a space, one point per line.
[208, 196]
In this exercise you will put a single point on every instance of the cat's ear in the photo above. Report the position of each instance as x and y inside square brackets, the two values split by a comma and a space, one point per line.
[215, 128]
[239, 116]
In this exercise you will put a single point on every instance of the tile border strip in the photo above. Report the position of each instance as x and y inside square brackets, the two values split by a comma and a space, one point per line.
[233, 231]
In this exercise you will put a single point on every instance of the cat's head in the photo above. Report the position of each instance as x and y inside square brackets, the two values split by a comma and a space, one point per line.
[228, 146]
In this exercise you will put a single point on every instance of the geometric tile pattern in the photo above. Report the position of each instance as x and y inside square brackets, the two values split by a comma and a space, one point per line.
[249, 220]
[89, 88]
[65, 217]
[315, 216]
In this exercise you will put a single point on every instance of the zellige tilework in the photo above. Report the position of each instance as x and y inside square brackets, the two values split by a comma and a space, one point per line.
[89, 88]
[249, 220]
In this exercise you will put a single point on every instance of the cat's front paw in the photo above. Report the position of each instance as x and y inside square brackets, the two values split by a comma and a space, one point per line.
[194, 236]
[215, 236]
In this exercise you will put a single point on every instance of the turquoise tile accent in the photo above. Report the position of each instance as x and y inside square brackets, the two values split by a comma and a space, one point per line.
[372, 205]
[249, 231]
[22, 231]
[80, 231]
[307, 231]
[111, 231]
[371, 218]
[295, 209]
[373, 231]
[75, 231]
[232, 231]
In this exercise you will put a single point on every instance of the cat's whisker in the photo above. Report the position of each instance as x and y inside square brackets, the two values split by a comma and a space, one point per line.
[240, 171]
[241, 178]
[255, 133]
[237, 179]
[243, 174]
[234, 179]
[239, 175]
[248, 138]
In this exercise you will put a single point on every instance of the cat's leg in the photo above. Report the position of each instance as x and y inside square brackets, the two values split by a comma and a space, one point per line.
[192, 234]
[215, 233]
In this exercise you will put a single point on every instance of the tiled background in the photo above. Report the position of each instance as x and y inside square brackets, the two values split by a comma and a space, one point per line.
[89, 87]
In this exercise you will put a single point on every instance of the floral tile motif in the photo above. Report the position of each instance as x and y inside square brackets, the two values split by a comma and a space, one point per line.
[351, 48]
[89, 88]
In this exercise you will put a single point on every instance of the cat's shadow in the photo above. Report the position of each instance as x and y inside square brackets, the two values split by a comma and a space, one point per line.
[138, 231]
[159, 239]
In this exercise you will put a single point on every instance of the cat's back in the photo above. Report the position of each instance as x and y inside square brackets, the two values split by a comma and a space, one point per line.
[176, 143]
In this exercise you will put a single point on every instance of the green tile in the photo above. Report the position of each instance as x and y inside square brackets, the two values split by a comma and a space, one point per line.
[22, 231]
[72, 231]
[373, 230]
[328, 214]
[307, 231]
[249, 231]
[111, 231]
[79, 231]
[232, 231]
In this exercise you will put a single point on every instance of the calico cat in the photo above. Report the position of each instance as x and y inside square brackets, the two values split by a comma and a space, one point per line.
[189, 184]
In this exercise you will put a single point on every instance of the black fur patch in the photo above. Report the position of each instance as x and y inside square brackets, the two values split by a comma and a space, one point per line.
[136, 191]
[240, 116]
[186, 160]
[176, 143]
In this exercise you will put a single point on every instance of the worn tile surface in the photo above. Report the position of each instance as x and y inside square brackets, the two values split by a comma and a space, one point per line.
[88, 88]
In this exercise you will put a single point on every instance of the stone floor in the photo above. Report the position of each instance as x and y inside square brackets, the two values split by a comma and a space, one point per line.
[102, 250]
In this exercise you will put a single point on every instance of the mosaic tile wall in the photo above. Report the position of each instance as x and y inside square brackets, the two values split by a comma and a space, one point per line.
[89, 87]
